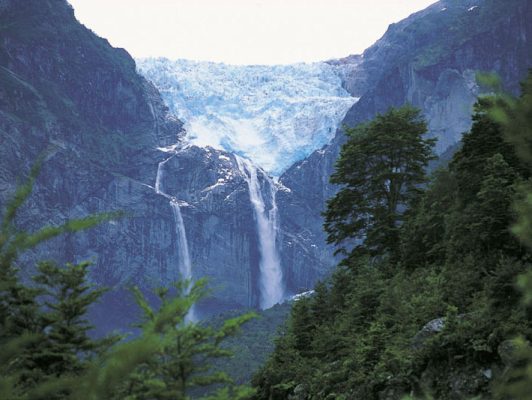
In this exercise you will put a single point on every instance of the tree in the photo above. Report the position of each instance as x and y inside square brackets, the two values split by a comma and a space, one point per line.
[45, 350]
[116, 373]
[380, 170]
[182, 362]
[448, 305]
[67, 296]
[515, 116]
[483, 141]
[423, 233]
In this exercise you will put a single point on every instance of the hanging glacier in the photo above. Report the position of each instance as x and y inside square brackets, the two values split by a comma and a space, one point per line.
[272, 115]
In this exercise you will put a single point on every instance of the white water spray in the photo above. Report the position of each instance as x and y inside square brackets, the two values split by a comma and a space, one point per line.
[185, 264]
[271, 274]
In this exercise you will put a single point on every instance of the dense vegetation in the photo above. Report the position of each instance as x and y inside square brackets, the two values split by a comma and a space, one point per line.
[425, 302]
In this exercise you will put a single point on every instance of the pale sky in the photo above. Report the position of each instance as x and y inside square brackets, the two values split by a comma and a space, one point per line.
[244, 31]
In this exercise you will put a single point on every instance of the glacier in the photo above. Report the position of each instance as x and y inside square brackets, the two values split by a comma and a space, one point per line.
[273, 115]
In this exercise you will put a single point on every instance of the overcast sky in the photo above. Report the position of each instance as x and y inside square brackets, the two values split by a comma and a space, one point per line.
[244, 31]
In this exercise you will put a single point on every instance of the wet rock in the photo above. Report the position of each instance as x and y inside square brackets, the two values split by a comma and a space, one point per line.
[429, 330]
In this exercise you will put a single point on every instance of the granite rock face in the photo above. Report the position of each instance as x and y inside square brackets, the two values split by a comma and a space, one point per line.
[105, 131]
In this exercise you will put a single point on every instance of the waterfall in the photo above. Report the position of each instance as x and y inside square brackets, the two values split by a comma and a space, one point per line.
[271, 274]
[185, 264]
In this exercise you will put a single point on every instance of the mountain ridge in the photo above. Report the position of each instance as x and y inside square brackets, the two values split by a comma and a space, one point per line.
[104, 127]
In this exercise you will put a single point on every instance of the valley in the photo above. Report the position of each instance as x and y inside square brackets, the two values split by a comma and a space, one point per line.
[223, 173]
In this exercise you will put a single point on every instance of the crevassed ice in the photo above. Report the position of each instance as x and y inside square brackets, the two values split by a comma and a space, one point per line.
[273, 115]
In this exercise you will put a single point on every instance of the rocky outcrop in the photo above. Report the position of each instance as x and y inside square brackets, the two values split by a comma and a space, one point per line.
[429, 330]
[105, 131]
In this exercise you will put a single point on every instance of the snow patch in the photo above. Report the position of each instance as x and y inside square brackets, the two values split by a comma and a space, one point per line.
[168, 149]
[303, 295]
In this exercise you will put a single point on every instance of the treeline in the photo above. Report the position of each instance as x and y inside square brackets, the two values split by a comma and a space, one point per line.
[46, 351]
[428, 301]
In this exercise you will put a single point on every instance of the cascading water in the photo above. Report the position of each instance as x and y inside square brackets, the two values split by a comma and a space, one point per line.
[159, 178]
[185, 264]
[271, 274]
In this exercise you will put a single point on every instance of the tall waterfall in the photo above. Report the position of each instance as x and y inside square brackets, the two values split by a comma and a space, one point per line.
[271, 274]
[185, 264]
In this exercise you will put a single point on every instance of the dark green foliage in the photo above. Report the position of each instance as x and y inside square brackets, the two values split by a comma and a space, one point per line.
[515, 116]
[423, 232]
[366, 332]
[186, 350]
[108, 373]
[380, 169]
[66, 299]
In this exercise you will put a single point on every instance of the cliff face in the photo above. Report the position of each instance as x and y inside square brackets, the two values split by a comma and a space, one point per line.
[429, 60]
[69, 95]
[223, 231]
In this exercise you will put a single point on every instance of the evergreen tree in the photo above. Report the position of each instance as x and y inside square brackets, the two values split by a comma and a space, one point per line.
[423, 234]
[436, 320]
[67, 296]
[483, 141]
[45, 349]
[183, 361]
[515, 116]
[380, 170]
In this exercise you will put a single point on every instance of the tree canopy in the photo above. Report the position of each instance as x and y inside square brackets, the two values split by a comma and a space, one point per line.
[380, 170]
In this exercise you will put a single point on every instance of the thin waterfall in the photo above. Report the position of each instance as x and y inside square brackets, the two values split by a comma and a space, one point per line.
[185, 264]
[271, 274]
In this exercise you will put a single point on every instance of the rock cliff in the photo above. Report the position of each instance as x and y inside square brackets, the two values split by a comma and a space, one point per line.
[68, 95]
